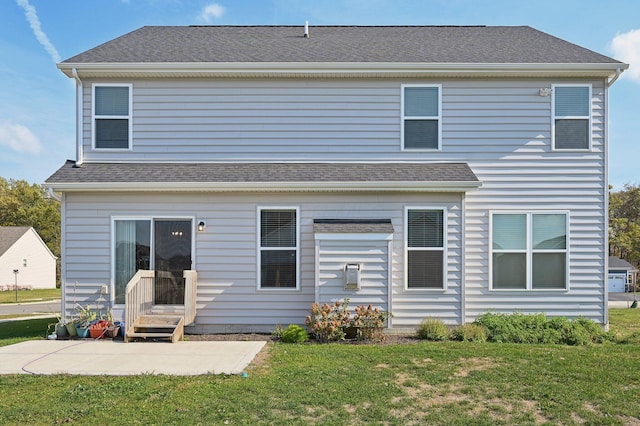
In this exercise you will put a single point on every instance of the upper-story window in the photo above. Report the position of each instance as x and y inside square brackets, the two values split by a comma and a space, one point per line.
[112, 116]
[571, 117]
[421, 116]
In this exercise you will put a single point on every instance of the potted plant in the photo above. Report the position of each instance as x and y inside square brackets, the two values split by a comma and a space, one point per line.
[83, 322]
[98, 329]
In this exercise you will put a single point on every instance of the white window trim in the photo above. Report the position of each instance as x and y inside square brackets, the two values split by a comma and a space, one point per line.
[259, 249]
[571, 117]
[438, 117]
[444, 249]
[106, 117]
[151, 219]
[529, 251]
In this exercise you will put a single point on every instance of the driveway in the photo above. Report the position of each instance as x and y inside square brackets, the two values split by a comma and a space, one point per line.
[51, 307]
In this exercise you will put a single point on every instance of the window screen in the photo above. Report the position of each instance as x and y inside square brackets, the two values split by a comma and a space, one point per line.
[111, 117]
[572, 117]
[421, 117]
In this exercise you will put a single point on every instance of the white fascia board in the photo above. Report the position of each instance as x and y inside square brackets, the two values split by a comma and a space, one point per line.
[253, 69]
[412, 186]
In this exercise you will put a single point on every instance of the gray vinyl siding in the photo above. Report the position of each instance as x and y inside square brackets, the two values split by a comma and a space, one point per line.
[225, 254]
[336, 120]
[373, 258]
[501, 128]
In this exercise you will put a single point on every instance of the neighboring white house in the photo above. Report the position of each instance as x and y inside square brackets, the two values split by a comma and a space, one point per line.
[431, 171]
[622, 275]
[22, 249]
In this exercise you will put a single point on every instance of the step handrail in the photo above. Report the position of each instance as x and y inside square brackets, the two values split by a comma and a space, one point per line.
[138, 298]
[190, 290]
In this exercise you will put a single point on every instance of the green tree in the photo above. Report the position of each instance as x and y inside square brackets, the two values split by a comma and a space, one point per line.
[624, 223]
[24, 204]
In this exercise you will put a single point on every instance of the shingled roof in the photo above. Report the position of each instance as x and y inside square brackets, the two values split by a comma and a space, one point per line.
[262, 175]
[9, 235]
[350, 44]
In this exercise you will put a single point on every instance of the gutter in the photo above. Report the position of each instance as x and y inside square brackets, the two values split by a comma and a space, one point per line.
[307, 69]
[79, 153]
[357, 186]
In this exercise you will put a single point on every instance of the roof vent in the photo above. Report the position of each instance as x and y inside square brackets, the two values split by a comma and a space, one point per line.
[306, 29]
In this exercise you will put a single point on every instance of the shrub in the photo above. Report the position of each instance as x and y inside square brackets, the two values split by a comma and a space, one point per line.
[469, 333]
[370, 323]
[432, 329]
[632, 339]
[327, 322]
[277, 333]
[536, 328]
[294, 334]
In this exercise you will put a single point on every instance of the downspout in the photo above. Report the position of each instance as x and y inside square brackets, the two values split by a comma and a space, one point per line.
[608, 84]
[79, 152]
[615, 77]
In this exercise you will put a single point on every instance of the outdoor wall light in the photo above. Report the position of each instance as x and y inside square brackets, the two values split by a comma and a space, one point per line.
[544, 91]
[202, 225]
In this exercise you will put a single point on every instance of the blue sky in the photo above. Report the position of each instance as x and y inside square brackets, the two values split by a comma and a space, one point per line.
[37, 124]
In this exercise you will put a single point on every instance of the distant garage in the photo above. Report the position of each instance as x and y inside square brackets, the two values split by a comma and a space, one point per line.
[617, 282]
[621, 273]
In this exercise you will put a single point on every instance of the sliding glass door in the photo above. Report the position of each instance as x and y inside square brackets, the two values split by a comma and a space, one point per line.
[162, 245]
[172, 254]
[132, 252]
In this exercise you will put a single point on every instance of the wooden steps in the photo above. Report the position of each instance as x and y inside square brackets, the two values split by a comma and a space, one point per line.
[156, 326]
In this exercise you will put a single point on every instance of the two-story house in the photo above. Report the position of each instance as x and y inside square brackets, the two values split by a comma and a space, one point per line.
[430, 171]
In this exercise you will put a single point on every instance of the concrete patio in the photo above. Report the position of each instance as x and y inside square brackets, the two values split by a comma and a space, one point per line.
[115, 358]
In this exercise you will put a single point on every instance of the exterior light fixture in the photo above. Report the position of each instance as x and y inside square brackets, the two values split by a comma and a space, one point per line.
[544, 91]
[202, 225]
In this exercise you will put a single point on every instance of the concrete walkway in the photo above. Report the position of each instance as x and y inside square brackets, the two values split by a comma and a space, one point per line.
[116, 358]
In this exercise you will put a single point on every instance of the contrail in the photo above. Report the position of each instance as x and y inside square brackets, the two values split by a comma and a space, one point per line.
[34, 22]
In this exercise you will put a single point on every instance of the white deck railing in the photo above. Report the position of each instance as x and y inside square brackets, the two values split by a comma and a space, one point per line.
[190, 289]
[138, 298]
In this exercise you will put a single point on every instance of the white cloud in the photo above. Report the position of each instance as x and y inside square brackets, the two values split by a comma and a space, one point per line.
[19, 138]
[211, 11]
[626, 48]
[34, 23]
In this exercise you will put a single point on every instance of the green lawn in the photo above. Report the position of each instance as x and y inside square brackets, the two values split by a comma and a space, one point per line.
[448, 383]
[29, 295]
[27, 329]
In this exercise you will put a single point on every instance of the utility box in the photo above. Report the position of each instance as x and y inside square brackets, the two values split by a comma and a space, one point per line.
[352, 276]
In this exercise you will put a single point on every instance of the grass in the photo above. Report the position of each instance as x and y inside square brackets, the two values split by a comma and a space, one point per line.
[36, 327]
[453, 383]
[37, 295]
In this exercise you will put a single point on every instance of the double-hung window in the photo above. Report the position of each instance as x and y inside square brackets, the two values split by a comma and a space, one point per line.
[426, 259]
[278, 249]
[529, 251]
[421, 120]
[112, 116]
[571, 117]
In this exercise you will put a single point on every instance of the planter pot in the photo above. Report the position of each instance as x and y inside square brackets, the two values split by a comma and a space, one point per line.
[82, 331]
[112, 331]
[61, 330]
[97, 331]
[71, 329]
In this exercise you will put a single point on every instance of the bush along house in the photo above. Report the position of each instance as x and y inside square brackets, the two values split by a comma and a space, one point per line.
[234, 175]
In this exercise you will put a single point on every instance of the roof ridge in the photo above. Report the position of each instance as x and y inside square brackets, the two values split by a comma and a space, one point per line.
[334, 26]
